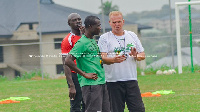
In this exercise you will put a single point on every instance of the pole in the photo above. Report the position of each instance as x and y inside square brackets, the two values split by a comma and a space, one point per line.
[103, 21]
[178, 39]
[40, 36]
[172, 45]
[190, 25]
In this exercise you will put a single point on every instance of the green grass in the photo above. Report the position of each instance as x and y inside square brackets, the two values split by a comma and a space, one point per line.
[52, 95]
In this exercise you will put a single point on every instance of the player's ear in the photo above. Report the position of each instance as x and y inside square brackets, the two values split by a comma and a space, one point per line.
[68, 23]
[90, 26]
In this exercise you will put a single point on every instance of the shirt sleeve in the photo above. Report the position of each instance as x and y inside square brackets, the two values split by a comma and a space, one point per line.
[139, 47]
[75, 39]
[102, 43]
[64, 50]
[78, 49]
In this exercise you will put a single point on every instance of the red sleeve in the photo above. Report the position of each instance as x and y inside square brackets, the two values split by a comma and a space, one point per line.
[65, 46]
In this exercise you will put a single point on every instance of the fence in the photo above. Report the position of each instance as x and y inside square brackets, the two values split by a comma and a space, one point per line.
[22, 50]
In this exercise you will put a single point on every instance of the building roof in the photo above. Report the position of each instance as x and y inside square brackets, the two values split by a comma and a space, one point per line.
[53, 17]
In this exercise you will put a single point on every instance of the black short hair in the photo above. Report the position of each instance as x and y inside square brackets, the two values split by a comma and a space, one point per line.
[90, 20]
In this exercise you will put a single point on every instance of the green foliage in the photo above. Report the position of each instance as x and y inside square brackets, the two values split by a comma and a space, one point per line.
[2, 78]
[33, 73]
[185, 69]
[107, 8]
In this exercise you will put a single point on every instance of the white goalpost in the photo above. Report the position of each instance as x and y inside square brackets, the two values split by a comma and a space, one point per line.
[178, 35]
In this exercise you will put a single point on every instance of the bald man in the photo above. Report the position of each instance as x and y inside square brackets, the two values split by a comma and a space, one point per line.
[75, 94]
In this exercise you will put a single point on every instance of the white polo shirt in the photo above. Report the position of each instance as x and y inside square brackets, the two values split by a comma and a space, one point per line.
[114, 45]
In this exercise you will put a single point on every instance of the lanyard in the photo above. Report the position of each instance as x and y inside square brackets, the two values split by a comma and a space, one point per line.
[120, 42]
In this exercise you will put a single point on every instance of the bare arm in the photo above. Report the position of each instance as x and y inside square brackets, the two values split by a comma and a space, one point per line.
[69, 61]
[67, 71]
[137, 56]
[140, 56]
[111, 60]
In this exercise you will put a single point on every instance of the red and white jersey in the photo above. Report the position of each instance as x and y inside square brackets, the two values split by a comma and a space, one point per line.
[68, 43]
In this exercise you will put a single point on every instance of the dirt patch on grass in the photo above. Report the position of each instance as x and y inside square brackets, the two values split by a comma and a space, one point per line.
[36, 78]
[61, 77]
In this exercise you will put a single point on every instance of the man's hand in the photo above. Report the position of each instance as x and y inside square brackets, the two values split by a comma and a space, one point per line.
[133, 53]
[90, 76]
[72, 92]
[137, 56]
[119, 59]
[112, 60]
[82, 30]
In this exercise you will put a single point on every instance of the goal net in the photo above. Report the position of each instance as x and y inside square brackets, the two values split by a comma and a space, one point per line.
[187, 33]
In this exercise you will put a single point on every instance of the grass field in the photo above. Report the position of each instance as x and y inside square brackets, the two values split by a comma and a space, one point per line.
[52, 95]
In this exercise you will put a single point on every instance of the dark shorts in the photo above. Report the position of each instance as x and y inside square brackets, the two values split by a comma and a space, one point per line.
[125, 91]
[96, 98]
[77, 105]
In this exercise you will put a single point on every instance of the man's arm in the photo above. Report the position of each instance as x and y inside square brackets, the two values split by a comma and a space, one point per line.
[69, 61]
[137, 56]
[67, 71]
[111, 60]
[140, 56]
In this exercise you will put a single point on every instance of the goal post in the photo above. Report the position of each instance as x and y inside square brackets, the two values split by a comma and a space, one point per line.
[178, 35]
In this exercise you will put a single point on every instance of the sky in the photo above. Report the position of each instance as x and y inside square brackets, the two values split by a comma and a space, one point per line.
[125, 6]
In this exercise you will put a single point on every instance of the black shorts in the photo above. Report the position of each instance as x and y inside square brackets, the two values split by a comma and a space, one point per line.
[96, 98]
[125, 91]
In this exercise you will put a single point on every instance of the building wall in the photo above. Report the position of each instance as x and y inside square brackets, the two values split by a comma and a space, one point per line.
[9, 72]
[24, 33]
[52, 56]
[133, 28]
[16, 55]
[28, 57]
[11, 54]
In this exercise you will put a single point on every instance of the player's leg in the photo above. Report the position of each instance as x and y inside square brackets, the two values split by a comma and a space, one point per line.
[116, 91]
[106, 102]
[133, 98]
[77, 102]
[93, 98]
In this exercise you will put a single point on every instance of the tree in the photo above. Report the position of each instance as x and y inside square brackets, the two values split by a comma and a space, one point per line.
[107, 7]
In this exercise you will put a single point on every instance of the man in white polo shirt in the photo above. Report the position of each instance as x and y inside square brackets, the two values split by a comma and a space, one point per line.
[120, 49]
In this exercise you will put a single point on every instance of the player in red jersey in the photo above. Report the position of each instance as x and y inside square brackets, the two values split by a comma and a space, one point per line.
[75, 94]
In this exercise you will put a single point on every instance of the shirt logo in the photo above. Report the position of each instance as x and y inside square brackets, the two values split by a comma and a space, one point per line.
[121, 50]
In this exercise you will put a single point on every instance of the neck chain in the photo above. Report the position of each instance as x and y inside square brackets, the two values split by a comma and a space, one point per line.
[120, 42]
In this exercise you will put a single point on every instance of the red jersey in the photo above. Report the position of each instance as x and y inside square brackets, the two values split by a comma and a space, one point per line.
[68, 43]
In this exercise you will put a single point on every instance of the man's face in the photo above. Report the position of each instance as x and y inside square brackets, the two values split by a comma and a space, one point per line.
[116, 22]
[95, 29]
[75, 22]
